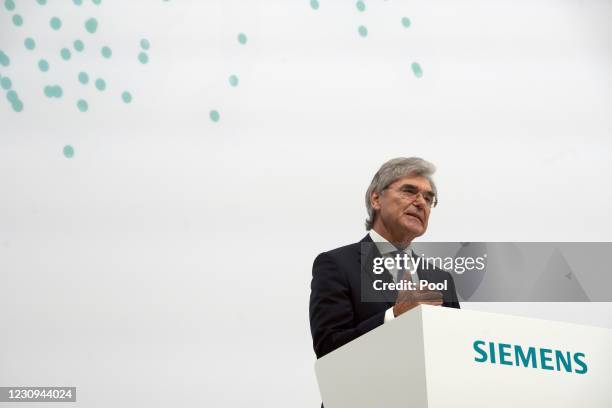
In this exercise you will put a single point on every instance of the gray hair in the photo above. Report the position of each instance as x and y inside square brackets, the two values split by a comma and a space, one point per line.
[393, 170]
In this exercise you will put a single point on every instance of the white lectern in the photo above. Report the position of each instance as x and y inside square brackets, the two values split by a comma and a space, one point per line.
[434, 357]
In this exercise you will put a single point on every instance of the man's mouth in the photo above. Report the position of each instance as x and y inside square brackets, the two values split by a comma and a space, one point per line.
[418, 217]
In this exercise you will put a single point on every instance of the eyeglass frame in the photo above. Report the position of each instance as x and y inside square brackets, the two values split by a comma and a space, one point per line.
[414, 195]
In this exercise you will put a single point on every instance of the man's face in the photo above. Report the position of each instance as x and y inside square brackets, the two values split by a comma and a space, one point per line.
[399, 212]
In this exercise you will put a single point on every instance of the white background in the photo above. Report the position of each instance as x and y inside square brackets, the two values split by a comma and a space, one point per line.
[168, 262]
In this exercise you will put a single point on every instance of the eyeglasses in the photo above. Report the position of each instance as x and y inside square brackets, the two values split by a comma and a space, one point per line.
[411, 192]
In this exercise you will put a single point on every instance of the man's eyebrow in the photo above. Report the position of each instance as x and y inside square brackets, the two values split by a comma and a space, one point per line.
[415, 187]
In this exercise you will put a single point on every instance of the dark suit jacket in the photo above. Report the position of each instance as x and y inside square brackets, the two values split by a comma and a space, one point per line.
[343, 302]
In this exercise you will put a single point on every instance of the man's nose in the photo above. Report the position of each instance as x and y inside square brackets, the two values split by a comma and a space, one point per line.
[419, 201]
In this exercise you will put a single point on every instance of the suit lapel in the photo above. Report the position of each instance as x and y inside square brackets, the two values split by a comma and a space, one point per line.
[367, 252]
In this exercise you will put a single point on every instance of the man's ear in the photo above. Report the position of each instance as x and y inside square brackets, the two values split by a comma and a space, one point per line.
[375, 200]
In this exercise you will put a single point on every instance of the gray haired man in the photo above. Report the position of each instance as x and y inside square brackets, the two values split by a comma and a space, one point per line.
[343, 303]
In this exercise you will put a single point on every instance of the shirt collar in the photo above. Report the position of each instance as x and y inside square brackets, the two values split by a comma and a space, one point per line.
[384, 246]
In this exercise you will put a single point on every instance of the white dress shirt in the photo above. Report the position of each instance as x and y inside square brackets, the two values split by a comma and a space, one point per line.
[386, 248]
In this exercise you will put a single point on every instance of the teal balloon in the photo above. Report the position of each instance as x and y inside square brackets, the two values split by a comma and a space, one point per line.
[406, 22]
[242, 38]
[233, 80]
[29, 43]
[78, 45]
[214, 116]
[17, 20]
[96, 2]
[17, 106]
[55, 23]
[363, 31]
[83, 78]
[77, 2]
[360, 5]
[82, 105]
[68, 152]
[107, 52]
[91, 25]
[126, 97]
[145, 44]
[5, 61]
[314, 4]
[417, 70]
[66, 54]
[100, 84]
[43, 65]
[12, 96]
[41, 2]
[143, 57]
[6, 83]
[9, 5]
[53, 91]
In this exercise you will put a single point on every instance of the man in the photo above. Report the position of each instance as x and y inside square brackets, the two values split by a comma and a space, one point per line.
[346, 300]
